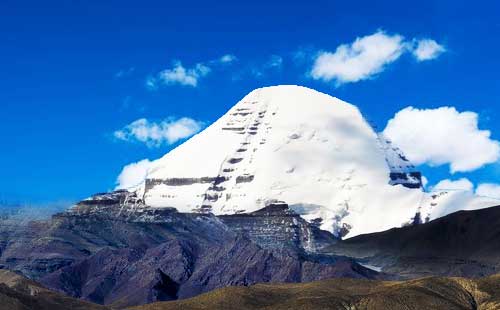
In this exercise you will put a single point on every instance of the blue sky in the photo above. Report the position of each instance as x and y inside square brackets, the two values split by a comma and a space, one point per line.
[75, 72]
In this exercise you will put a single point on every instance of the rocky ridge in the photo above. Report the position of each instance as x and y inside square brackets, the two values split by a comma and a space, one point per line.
[111, 250]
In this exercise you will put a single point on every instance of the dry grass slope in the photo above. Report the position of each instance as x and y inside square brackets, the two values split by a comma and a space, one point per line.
[19, 293]
[427, 293]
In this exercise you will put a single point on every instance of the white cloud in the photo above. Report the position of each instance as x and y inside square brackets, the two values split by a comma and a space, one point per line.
[489, 190]
[155, 134]
[462, 184]
[228, 58]
[133, 174]
[443, 136]
[367, 56]
[180, 75]
[427, 49]
[183, 76]
[361, 60]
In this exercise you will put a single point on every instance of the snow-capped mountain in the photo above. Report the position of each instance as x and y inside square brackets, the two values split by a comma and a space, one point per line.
[312, 151]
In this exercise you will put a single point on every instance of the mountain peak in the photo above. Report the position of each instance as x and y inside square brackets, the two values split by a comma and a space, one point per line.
[289, 143]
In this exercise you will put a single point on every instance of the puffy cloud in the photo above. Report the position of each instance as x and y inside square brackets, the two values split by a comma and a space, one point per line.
[180, 75]
[155, 134]
[443, 136]
[183, 76]
[489, 190]
[133, 174]
[228, 58]
[427, 49]
[462, 184]
[361, 60]
[369, 55]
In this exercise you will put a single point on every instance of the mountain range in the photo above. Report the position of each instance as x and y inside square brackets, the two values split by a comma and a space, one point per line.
[119, 269]
[289, 186]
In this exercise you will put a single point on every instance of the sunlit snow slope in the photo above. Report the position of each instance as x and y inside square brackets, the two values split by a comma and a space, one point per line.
[310, 150]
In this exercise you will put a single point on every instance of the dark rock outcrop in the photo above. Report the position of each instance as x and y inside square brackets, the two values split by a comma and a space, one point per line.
[276, 226]
[411, 179]
[111, 249]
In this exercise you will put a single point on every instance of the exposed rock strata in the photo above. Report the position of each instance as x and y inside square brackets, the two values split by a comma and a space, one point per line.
[111, 249]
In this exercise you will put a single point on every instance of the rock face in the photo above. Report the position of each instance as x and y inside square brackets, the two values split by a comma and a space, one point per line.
[113, 250]
[276, 226]
[464, 244]
[109, 250]
[314, 152]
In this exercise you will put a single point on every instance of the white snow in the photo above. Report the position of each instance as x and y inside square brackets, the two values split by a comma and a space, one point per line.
[310, 150]
[372, 267]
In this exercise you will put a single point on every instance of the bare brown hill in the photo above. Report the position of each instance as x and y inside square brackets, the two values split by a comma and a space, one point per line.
[19, 293]
[427, 293]
[463, 244]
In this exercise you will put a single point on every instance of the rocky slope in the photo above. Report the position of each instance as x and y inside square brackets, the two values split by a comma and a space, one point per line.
[276, 226]
[464, 243]
[428, 293]
[110, 251]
